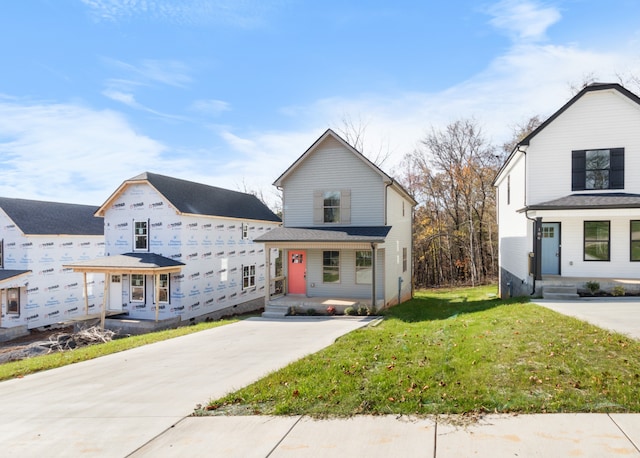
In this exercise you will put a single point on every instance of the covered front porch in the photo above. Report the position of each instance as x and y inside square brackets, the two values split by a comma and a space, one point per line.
[317, 268]
[114, 267]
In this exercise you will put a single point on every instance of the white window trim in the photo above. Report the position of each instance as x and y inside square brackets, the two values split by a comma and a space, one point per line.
[131, 287]
[251, 276]
[135, 235]
[161, 288]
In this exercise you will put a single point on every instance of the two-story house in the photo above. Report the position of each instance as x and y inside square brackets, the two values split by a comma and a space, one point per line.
[36, 239]
[346, 231]
[181, 251]
[569, 198]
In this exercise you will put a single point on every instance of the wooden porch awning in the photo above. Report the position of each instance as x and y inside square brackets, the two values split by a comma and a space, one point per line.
[132, 263]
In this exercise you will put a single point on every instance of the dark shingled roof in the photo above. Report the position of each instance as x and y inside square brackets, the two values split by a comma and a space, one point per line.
[35, 217]
[7, 274]
[587, 201]
[326, 234]
[202, 199]
[130, 261]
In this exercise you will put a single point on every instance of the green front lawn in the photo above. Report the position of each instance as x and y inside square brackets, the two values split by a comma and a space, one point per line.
[456, 351]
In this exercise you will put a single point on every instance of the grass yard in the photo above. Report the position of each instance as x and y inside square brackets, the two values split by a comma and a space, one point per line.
[455, 351]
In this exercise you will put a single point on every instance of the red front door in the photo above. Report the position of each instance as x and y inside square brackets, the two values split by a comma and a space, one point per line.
[297, 272]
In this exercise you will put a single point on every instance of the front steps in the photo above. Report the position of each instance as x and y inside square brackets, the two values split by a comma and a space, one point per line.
[560, 292]
[275, 311]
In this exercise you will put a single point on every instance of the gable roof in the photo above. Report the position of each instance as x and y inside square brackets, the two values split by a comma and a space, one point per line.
[129, 262]
[34, 217]
[200, 199]
[593, 87]
[330, 133]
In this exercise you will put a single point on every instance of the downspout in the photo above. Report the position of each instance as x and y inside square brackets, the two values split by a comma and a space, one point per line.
[536, 227]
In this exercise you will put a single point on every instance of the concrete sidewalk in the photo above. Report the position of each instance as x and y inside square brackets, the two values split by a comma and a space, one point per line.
[494, 436]
[113, 405]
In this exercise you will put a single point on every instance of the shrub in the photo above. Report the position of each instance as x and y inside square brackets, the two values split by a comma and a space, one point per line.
[592, 286]
[617, 290]
[331, 310]
[311, 312]
[363, 311]
[350, 311]
[293, 310]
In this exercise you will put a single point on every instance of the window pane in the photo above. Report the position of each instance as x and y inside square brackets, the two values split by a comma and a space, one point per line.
[363, 267]
[596, 240]
[330, 266]
[598, 165]
[331, 206]
[635, 240]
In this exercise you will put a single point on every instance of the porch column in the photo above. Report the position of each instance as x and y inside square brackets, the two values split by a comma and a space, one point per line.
[537, 249]
[373, 277]
[267, 274]
[105, 297]
[156, 279]
[86, 294]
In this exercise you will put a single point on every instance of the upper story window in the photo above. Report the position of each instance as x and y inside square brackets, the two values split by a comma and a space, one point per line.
[597, 169]
[141, 235]
[332, 207]
[245, 231]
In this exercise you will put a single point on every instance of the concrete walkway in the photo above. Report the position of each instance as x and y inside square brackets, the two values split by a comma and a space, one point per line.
[619, 314]
[111, 406]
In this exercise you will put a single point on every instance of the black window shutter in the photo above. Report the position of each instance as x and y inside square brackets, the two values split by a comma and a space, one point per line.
[616, 176]
[578, 164]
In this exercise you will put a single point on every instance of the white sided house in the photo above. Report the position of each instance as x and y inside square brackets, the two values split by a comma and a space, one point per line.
[181, 251]
[346, 235]
[569, 199]
[36, 240]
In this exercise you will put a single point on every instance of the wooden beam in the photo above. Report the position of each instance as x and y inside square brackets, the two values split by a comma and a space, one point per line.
[156, 279]
[267, 274]
[104, 302]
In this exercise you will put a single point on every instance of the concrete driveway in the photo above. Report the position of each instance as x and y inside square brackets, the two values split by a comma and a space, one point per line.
[111, 406]
[620, 314]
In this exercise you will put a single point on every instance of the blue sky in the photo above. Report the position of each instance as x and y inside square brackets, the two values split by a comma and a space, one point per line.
[231, 92]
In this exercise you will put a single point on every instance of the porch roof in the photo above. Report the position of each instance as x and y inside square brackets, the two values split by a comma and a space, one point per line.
[589, 201]
[143, 263]
[331, 234]
[8, 274]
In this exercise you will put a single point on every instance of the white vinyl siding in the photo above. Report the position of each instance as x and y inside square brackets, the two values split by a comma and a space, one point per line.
[334, 168]
[598, 120]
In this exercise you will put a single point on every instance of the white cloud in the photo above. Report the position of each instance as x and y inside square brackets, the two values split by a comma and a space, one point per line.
[238, 13]
[210, 107]
[523, 20]
[68, 153]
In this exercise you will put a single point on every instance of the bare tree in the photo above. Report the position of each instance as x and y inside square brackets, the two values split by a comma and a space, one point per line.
[354, 133]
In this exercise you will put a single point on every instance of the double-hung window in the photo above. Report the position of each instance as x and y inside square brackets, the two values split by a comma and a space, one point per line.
[363, 267]
[597, 169]
[248, 276]
[331, 267]
[141, 235]
[163, 288]
[596, 240]
[137, 288]
[13, 301]
[635, 240]
[331, 206]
